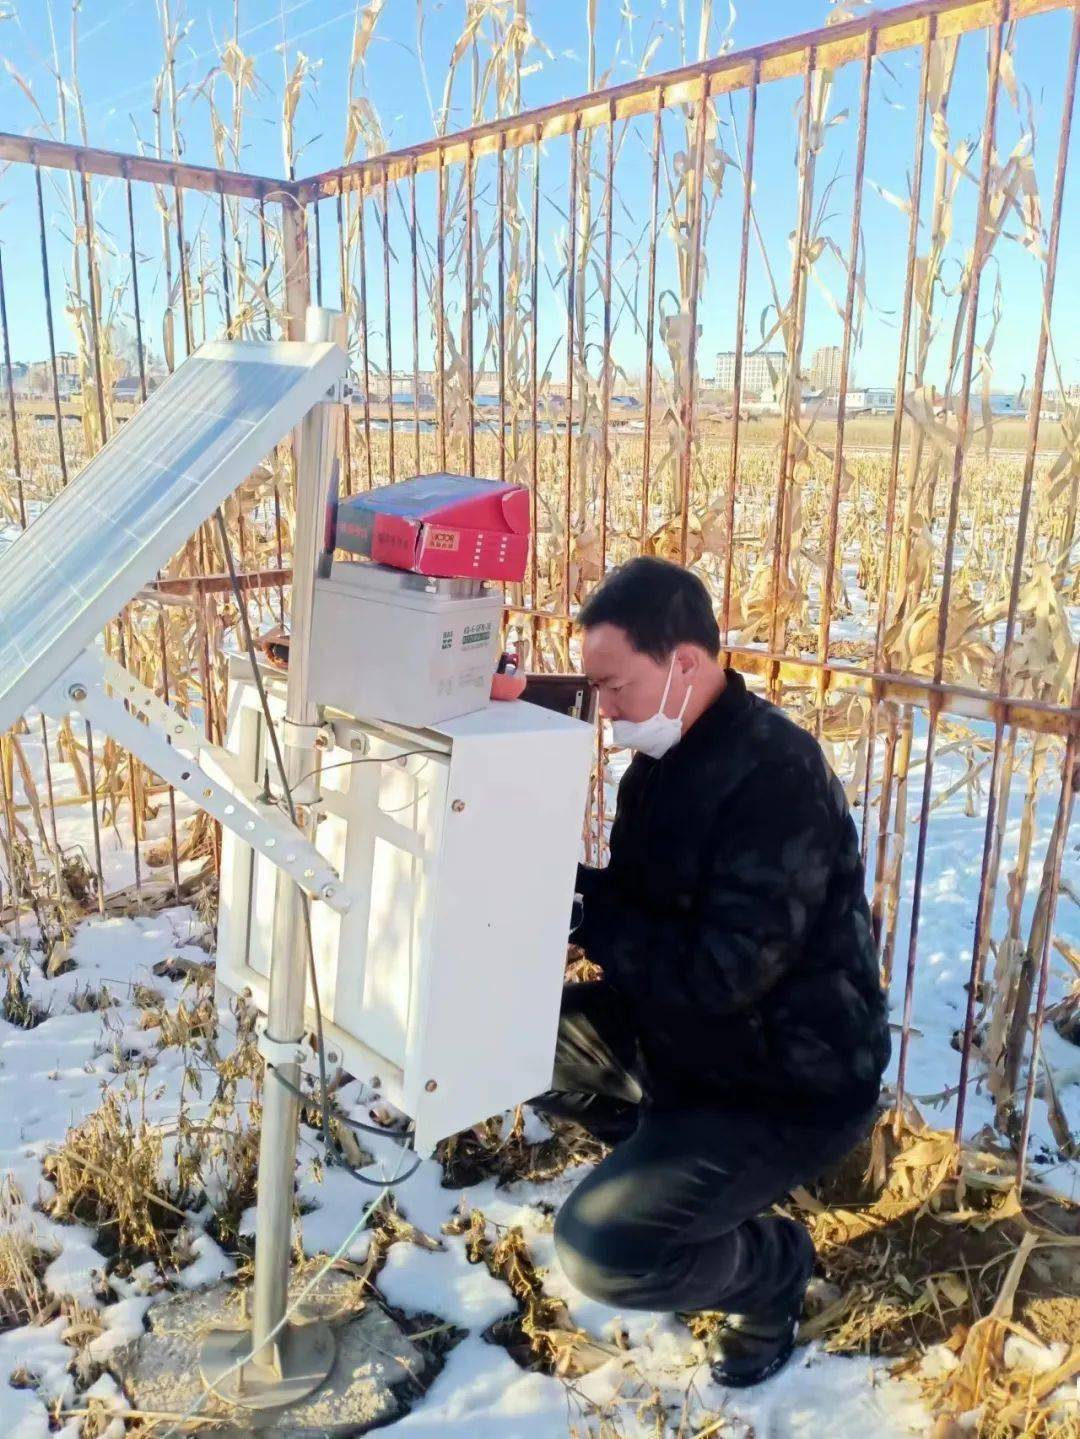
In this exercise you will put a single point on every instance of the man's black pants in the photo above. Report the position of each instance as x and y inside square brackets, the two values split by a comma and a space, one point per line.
[673, 1219]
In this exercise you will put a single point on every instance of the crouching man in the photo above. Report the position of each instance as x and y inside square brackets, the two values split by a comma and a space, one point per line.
[735, 1044]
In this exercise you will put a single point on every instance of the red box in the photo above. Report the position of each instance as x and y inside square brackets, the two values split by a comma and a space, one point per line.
[452, 526]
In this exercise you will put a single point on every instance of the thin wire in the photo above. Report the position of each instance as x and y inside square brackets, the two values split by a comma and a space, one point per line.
[367, 759]
[307, 1098]
[300, 1300]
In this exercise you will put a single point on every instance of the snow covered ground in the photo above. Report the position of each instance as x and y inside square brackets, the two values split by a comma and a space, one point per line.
[53, 1075]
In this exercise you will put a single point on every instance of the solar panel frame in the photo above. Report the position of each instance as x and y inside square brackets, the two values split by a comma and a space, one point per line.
[142, 496]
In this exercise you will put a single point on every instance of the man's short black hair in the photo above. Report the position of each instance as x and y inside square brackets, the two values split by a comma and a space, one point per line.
[658, 604]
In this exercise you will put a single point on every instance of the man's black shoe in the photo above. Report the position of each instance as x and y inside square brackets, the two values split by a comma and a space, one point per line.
[747, 1349]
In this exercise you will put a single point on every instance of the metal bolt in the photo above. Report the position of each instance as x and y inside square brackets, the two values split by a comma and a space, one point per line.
[431, 1086]
[328, 891]
[458, 806]
[77, 693]
[178, 729]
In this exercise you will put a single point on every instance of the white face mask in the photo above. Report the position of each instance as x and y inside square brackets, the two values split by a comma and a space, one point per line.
[656, 735]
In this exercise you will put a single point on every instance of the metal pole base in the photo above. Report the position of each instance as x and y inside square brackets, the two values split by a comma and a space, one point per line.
[305, 1356]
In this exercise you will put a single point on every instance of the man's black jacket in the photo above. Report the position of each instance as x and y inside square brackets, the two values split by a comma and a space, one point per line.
[732, 919]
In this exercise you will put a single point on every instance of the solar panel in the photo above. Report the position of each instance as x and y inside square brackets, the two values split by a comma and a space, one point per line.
[142, 497]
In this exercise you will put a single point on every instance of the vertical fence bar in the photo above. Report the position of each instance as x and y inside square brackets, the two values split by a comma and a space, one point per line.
[605, 452]
[898, 416]
[92, 768]
[226, 297]
[185, 287]
[534, 376]
[133, 788]
[135, 291]
[10, 373]
[174, 849]
[265, 269]
[689, 398]
[825, 616]
[364, 331]
[343, 271]
[95, 324]
[163, 655]
[415, 317]
[10, 837]
[650, 323]
[571, 276]
[440, 307]
[470, 303]
[1061, 827]
[982, 914]
[268, 325]
[740, 325]
[501, 160]
[794, 352]
[23, 520]
[962, 416]
[386, 288]
[49, 324]
[64, 475]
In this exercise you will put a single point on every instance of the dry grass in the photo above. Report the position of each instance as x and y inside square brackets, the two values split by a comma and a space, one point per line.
[23, 1299]
[919, 1246]
[106, 1175]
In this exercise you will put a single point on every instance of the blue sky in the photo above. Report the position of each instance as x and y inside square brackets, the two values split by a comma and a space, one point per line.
[120, 51]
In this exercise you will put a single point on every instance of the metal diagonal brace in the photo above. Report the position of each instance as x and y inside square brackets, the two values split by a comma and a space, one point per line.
[209, 775]
[142, 699]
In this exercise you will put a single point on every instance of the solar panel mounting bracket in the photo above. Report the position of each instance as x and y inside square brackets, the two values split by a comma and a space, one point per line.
[110, 698]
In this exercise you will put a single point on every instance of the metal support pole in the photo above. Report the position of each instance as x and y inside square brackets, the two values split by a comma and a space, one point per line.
[288, 970]
[287, 1361]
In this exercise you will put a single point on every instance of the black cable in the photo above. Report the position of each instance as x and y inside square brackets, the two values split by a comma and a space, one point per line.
[332, 1159]
[367, 759]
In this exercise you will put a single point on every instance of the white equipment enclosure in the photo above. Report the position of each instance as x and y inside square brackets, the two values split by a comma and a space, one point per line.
[429, 835]
[457, 845]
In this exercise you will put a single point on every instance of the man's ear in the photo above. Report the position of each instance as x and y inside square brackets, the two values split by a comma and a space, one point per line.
[688, 662]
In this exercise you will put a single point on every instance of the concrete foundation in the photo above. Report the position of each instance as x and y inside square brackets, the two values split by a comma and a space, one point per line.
[372, 1379]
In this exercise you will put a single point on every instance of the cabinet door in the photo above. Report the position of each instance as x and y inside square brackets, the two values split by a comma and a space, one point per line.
[485, 1019]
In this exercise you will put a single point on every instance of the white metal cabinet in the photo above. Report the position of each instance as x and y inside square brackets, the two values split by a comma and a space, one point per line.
[445, 974]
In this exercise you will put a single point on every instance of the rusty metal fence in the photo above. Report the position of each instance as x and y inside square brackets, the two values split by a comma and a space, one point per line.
[530, 298]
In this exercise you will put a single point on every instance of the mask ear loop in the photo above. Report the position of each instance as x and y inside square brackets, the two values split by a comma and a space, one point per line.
[667, 691]
[667, 687]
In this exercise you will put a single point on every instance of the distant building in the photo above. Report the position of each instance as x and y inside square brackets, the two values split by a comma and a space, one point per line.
[761, 370]
[825, 369]
[129, 388]
[874, 400]
[17, 378]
